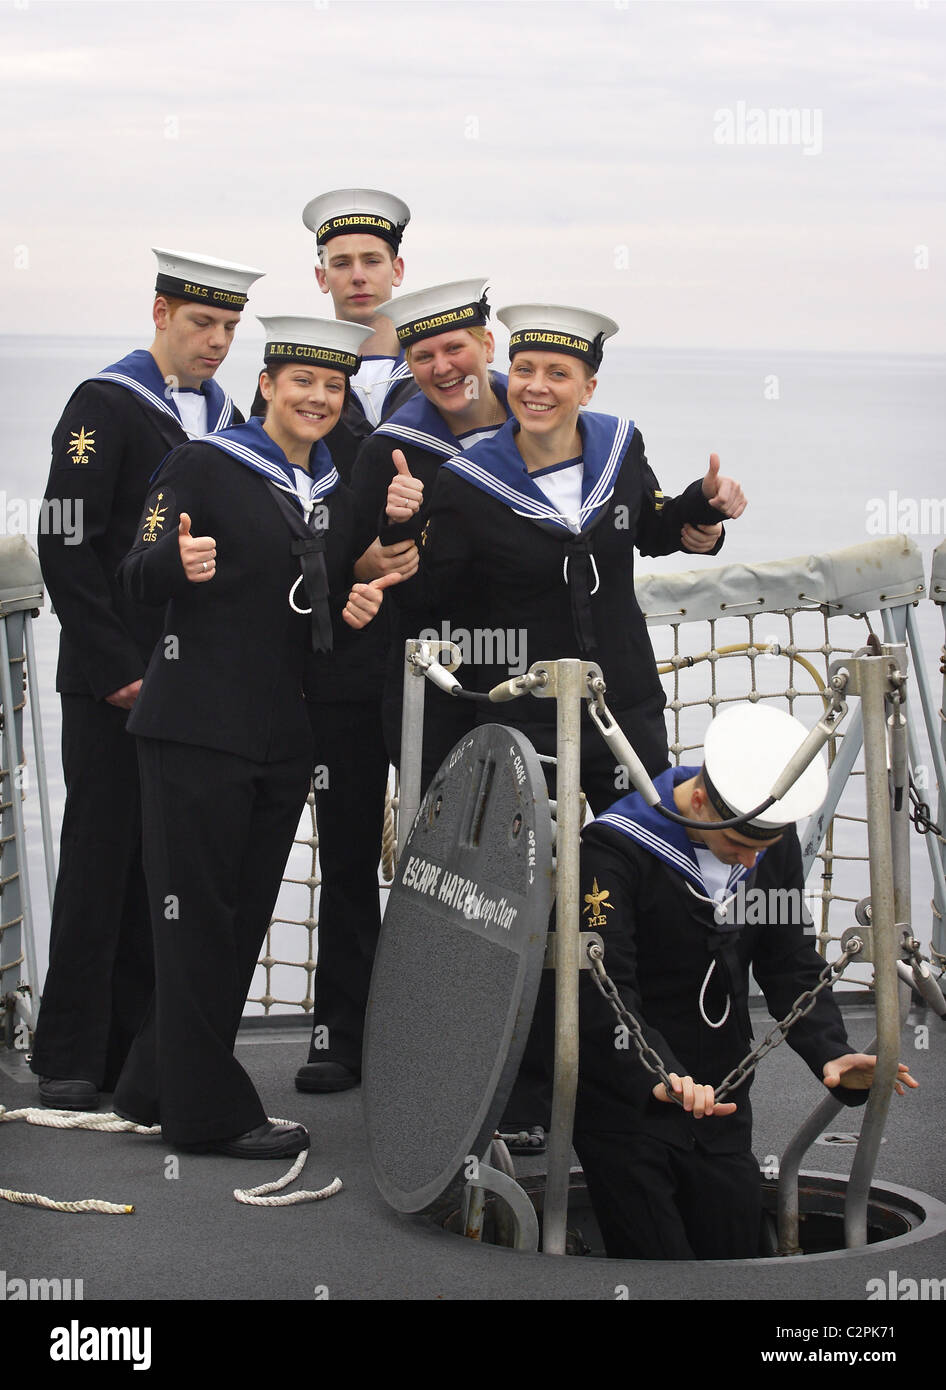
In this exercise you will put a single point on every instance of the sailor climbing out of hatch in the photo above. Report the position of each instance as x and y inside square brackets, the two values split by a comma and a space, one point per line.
[534, 530]
[358, 235]
[113, 434]
[249, 537]
[678, 1181]
[445, 332]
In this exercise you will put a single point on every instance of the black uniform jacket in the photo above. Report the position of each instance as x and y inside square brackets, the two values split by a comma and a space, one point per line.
[481, 558]
[228, 670]
[371, 478]
[106, 447]
[659, 943]
[358, 672]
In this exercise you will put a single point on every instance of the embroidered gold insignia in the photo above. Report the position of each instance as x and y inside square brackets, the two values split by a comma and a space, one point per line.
[154, 521]
[423, 534]
[83, 444]
[658, 500]
[596, 900]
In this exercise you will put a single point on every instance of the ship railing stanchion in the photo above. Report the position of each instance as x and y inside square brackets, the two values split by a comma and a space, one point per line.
[418, 656]
[568, 685]
[21, 592]
[936, 731]
[39, 753]
[873, 678]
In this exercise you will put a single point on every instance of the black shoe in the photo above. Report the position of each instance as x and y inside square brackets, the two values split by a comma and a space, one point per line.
[326, 1076]
[265, 1141]
[60, 1094]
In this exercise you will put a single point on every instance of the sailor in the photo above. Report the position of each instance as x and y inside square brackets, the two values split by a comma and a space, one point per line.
[684, 913]
[113, 434]
[249, 537]
[358, 236]
[535, 530]
[445, 332]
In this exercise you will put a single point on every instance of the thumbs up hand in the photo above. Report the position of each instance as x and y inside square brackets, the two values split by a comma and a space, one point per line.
[365, 599]
[723, 493]
[405, 494]
[198, 553]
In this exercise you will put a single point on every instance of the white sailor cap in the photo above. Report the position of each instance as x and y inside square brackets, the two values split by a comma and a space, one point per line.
[439, 309]
[745, 750]
[352, 211]
[316, 342]
[557, 328]
[221, 284]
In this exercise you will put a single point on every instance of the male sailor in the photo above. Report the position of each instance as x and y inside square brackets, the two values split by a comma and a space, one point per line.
[684, 911]
[358, 237]
[113, 434]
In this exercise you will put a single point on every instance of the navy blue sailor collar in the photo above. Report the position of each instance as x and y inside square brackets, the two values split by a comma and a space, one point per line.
[139, 373]
[420, 423]
[664, 839]
[250, 445]
[496, 466]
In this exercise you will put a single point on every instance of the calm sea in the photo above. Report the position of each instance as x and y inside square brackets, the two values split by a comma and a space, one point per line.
[819, 442]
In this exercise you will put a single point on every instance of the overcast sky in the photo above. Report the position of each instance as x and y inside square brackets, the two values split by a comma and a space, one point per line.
[627, 155]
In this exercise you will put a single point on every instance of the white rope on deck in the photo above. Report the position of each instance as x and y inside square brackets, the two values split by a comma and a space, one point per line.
[110, 1123]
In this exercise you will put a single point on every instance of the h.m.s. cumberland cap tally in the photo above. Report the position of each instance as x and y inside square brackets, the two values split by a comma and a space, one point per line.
[557, 328]
[315, 342]
[438, 309]
[203, 280]
[354, 211]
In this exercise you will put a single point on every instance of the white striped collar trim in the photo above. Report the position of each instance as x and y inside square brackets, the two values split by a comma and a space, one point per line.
[420, 439]
[157, 403]
[272, 471]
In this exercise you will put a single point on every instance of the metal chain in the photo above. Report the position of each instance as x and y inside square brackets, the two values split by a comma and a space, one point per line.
[607, 988]
[803, 1005]
[654, 1064]
[920, 814]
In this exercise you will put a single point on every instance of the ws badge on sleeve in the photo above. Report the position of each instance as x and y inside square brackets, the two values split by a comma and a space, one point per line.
[457, 968]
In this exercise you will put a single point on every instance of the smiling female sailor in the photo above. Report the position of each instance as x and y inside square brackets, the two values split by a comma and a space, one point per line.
[449, 350]
[249, 537]
[535, 530]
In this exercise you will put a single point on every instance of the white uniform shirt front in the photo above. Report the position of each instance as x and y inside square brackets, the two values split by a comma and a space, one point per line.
[192, 408]
[561, 484]
[370, 384]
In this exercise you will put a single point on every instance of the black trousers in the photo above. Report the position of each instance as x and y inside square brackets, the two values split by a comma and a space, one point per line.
[351, 773]
[101, 969]
[656, 1202]
[217, 833]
